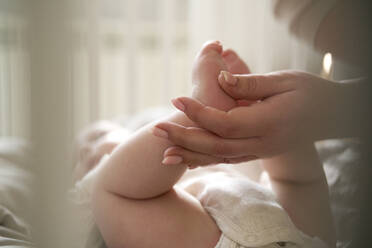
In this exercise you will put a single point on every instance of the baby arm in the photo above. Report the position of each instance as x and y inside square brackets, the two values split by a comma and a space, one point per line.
[298, 180]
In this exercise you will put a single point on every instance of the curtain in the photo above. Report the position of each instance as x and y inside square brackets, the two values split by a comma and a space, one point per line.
[14, 70]
[127, 56]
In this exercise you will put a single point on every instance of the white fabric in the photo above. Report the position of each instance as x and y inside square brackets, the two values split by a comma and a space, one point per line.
[304, 17]
[15, 193]
[246, 213]
[81, 194]
[344, 169]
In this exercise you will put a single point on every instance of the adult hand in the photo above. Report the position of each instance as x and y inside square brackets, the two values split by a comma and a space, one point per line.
[290, 108]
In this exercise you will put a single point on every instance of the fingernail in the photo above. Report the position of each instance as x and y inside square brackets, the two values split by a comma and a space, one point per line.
[171, 160]
[229, 78]
[159, 132]
[178, 104]
[225, 76]
[221, 79]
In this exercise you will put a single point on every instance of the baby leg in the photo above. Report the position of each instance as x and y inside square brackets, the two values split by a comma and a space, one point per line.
[134, 201]
[135, 204]
[174, 219]
[207, 67]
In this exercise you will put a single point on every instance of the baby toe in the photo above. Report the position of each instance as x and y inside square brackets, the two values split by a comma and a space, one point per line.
[230, 56]
[234, 63]
[211, 46]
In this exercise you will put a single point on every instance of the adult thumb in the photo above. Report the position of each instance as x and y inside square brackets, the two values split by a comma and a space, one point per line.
[255, 86]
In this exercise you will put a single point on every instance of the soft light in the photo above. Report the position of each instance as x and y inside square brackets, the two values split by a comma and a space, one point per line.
[327, 63]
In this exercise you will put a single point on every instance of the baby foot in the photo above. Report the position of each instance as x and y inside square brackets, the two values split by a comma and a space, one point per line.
[234, 63]
[206, 69]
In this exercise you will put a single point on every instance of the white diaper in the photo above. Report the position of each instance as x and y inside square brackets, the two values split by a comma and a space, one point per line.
[246, 213]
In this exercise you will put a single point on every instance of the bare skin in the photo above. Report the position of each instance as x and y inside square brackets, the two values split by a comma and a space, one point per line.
[206, 70]
[294, 108]
[135, 204]
[298, 180]
[134, 195]
[95, 141]
[297, 176]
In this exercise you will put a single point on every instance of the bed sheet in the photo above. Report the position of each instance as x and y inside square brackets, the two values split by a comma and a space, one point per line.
[15, 193]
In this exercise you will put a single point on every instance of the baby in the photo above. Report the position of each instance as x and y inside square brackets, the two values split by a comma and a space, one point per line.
[135, 202]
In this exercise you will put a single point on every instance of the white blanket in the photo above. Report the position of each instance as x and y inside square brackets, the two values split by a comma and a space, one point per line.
[15, 194]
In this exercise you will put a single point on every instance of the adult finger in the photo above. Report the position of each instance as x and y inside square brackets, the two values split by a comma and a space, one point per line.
[255, 86]
[178, 155]
[194, 159]
[203, 141]
[240, 122]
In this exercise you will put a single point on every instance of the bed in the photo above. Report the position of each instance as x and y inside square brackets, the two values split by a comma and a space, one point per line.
[15, 193]
[341, 160]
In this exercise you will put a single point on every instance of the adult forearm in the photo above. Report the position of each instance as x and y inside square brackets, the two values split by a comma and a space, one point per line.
[298, 166]
[298, 180]
[308, 207]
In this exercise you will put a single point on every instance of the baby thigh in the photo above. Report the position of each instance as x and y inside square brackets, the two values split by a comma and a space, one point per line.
[174, 219]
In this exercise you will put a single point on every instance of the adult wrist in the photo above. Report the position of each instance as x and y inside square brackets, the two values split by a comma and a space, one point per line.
[298, 166]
